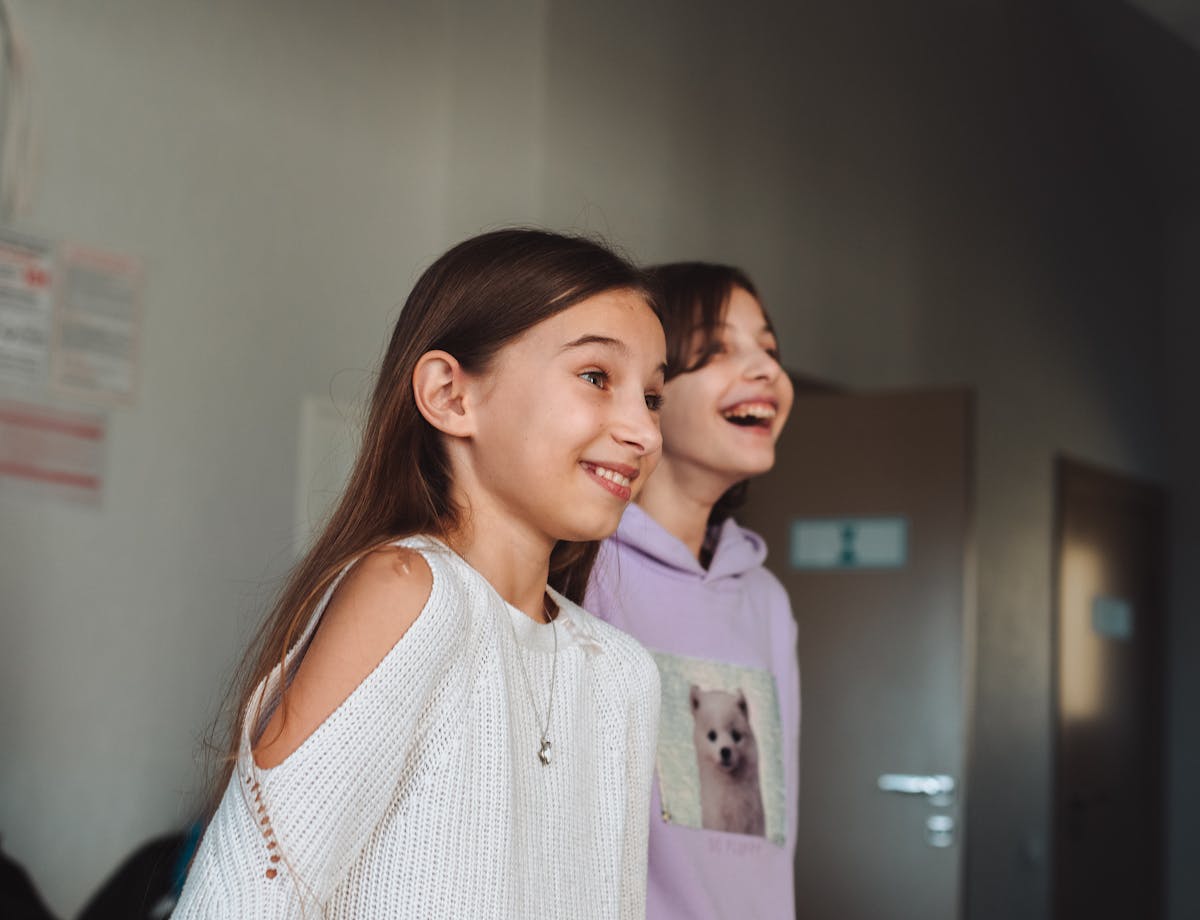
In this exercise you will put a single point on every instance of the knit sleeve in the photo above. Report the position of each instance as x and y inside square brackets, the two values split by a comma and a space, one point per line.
[317, 809]
[642, 744]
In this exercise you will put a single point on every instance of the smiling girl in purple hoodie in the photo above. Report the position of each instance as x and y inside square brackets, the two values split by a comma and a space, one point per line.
[681, 576]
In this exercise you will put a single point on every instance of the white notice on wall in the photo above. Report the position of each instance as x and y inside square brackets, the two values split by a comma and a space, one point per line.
[99, 325]
[46, 452]
[26, 308]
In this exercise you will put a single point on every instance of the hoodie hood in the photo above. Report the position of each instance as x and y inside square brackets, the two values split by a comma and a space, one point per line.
[737, 551]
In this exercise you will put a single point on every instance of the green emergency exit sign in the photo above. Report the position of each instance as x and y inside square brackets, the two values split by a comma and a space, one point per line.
[849, 543]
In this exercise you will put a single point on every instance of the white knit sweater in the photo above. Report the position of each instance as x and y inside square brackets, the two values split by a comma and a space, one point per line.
[422, 795]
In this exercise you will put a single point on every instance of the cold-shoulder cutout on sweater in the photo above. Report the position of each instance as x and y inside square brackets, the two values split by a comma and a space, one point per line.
[371, 610]
[422, 794]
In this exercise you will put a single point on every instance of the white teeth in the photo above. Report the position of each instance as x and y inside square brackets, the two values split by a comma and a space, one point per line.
[612, 476]
[751, 410]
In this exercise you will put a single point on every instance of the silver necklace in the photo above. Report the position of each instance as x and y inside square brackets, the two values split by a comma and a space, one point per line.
[544, 749]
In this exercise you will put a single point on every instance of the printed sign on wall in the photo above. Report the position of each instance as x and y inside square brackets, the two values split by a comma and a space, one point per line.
[849, 543]
[47, 452]
[98, 326]
[26, 308]
[1112, 617]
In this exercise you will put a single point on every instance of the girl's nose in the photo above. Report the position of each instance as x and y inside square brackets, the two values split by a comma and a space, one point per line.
[638, 427]
[761, 365]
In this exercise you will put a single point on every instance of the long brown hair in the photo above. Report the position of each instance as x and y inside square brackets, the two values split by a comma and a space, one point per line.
[692, 300]
[480, 295]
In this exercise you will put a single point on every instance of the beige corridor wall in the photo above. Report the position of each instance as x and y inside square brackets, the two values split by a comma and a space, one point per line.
[929, 194]
[283, 169]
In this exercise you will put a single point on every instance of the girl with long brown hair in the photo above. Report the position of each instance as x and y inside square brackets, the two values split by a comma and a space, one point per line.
[430, 726]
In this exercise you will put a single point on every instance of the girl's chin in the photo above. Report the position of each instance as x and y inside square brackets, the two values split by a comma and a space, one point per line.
[753, 462]
[746, 469]
[596, 528]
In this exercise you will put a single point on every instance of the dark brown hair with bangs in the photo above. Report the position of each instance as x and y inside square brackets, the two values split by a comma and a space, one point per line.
[692, 300]
[480, 295]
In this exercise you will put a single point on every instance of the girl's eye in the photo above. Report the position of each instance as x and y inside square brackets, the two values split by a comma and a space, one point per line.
[773, 351]
[654, 402]
[706, 353]
[595, 378]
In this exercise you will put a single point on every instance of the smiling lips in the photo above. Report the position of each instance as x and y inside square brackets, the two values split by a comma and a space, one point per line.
[616, 478]
[752, 413]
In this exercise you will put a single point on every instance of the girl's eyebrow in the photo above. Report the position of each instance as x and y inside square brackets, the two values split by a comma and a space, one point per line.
[607, 342]
[767, 328]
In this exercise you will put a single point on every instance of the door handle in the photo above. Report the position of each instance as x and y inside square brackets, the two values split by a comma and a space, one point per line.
[938, 788]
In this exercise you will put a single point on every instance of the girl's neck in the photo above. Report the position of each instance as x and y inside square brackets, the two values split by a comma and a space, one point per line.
[514, 561]
[681, 504]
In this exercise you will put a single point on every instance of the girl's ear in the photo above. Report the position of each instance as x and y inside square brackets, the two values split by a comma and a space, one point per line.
[440, 389]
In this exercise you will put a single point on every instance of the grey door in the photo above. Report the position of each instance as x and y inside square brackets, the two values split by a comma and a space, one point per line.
[867, 517]
[1108, 803]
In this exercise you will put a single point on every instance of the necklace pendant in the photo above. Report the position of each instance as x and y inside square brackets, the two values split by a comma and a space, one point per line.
[544, 753]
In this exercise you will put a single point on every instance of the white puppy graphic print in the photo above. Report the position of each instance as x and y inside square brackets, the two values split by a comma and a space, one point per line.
[727, 756]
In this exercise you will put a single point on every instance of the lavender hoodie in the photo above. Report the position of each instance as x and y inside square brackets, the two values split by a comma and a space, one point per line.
[723, 811]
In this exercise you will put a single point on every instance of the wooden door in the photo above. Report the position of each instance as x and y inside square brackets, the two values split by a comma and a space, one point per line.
[867, 516]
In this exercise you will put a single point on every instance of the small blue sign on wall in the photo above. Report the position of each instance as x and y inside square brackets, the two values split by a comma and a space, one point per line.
[1112, 617]
[849, 543]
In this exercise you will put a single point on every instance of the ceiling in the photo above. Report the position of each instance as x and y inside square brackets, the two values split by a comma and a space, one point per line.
[1179, 16]
[1147, 57]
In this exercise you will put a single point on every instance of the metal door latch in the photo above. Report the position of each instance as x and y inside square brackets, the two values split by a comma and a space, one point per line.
[939, 788]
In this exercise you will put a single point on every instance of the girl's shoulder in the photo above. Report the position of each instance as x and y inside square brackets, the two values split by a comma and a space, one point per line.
[372, 606]
[379, 597]
[604, 641]
[395, 579]
[766, 584]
